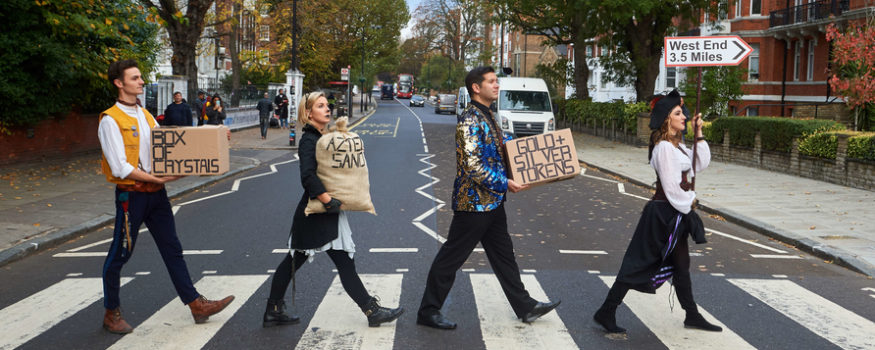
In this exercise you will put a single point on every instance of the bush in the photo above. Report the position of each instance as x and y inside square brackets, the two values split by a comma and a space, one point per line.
[862, 146]
[776, 133]
[585, 111]
[825, 145]
[821, 145]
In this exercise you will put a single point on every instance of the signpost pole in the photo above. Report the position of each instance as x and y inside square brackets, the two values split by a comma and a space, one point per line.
[695, 115]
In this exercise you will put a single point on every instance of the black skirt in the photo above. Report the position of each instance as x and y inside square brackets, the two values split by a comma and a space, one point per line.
[647, 263]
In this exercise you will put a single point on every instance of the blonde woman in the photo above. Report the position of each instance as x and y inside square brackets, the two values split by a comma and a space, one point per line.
[658, 251]
[327, 232]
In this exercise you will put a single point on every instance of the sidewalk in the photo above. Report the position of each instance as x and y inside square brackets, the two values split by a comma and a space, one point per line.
[828, 220]
[47, 203]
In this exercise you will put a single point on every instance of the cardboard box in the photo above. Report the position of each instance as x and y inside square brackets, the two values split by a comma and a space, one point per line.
[542, 158]
[190, 150]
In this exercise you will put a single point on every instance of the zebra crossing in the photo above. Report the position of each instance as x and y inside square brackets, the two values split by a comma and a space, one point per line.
[171, 326]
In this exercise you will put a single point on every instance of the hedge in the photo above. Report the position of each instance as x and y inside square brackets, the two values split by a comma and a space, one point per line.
[825, 145]
[776, 133]
[585, 111]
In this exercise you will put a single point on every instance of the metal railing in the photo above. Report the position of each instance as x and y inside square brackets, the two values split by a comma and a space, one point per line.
[809, 12]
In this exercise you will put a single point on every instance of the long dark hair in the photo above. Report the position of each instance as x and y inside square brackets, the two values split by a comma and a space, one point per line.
[663, 134]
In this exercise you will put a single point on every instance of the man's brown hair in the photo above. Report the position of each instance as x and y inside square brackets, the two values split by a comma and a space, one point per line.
[117, 69]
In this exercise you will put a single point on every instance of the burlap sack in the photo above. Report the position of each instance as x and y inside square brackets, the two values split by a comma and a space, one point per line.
[340, 156]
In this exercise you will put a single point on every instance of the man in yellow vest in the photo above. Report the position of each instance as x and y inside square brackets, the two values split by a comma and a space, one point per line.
[124, 132]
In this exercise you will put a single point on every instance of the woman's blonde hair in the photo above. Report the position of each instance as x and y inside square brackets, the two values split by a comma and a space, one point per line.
[307, 102]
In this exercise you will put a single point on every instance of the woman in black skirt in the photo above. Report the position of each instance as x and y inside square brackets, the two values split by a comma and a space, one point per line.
[659, 250]
[328, 232]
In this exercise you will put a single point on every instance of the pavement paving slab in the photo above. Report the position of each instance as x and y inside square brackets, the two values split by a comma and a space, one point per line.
[792, 209]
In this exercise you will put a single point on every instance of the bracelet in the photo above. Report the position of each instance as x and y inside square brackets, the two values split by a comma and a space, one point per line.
[700, 138]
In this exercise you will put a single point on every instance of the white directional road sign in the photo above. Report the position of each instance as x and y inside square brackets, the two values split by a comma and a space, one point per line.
[344, 74]
[697, 51]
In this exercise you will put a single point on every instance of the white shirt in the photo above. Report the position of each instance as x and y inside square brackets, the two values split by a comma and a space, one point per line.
[114, 146]
[669, 162]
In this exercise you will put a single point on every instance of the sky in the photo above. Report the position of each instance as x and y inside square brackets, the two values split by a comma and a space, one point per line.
[411, 6]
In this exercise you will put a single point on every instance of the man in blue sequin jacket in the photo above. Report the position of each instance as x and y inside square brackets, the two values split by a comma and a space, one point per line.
[478, 210]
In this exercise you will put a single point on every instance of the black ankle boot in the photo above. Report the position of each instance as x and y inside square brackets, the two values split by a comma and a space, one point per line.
[606, 316]
[695, 320]
[275, 314]
[377, 314]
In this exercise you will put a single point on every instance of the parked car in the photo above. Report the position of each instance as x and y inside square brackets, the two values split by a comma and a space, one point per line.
[446, 103]
[523, 107]
[417, 101]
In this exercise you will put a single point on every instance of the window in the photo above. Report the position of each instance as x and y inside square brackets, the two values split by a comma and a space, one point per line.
[796, 60]
[810, 70]
[590, 81]
[755, 7]
[753, 111]
[264, 33]
[671, 75]
[753, 64]
[737, 8]
[588, 51]
[602, 83]
[265, 56]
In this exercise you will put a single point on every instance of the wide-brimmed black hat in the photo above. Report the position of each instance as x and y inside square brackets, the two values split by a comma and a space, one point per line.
[663, 107]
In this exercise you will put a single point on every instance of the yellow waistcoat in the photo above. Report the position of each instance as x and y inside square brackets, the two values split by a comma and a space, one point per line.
[131, 136]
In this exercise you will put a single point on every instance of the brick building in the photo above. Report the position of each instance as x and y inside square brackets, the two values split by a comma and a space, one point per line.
[787, 72]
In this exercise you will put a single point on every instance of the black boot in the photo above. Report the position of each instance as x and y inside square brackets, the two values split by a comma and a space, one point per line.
[377, 314]
[606, 316]
[695, 320]
[275, 314]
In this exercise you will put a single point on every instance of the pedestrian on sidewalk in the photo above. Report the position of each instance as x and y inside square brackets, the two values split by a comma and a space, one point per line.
[177, 113]
[200, 106]
[327, 232]
[659, 249]
[140, 197]
[479, 192]
[215, 111]
[264, 108]
[282, 109]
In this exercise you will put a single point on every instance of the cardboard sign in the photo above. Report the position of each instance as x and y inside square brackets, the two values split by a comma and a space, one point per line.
[190, 150]
[542, 158]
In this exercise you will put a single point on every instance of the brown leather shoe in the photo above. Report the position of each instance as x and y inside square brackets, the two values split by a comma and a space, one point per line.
[202, 308]
[114, 323]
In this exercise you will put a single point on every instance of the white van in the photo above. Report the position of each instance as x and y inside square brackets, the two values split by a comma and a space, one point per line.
[523, 107]
[463, 99]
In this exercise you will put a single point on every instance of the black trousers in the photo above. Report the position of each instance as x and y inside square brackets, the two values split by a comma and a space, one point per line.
[154, 210]
[683, 285]
[466, 230]
[349, 278]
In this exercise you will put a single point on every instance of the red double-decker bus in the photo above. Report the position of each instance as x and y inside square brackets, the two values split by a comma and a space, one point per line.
[405, 86]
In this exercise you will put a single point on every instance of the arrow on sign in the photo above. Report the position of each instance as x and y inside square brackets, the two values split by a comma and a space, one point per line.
[698, 51]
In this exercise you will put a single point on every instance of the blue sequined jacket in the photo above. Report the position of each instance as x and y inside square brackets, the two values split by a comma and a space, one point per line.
[481, 179]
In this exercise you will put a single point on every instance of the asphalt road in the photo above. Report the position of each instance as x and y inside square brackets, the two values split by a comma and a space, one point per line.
[569, 239]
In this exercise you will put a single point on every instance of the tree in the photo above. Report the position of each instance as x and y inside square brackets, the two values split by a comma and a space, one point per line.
[442, 73]
[852, 75]
[634, 33]
[184, 30]
[719, 86]
[56, 53]
[562, 22]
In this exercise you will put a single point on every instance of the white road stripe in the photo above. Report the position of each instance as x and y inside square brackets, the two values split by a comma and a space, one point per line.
[479, 250]
[402, 270]
[840, 326]
[530, 271]
[393, 250]
[468, 270]
[172, 327]
[74, 274]
[41, 311]
[668, 326]
[339, 324]
[280, 251]
[143, 273]
[588, 252]
[90, 245]
[593, 272]
[755, 244]
[773, 256]
[717, 274]
[779, 276]
[501, 328]
[103, 254]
